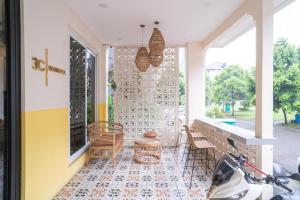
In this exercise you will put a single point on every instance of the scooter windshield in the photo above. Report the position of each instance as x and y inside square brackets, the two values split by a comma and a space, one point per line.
[224, 170]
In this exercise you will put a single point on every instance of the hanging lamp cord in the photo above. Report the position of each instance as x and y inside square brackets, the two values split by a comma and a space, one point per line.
[142, 37]
[156, 24]
[142, 26]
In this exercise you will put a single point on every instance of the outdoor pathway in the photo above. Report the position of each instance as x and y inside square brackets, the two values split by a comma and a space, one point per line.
[128, 180]
[286, 147]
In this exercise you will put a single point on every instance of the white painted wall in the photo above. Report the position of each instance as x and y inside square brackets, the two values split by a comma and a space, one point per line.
[48, 24]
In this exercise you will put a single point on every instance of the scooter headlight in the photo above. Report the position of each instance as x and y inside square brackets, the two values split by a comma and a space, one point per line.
[235, 197]
[239, 196]
[224, 171]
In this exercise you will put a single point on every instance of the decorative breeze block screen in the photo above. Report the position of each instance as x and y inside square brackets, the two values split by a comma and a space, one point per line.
[146, 101]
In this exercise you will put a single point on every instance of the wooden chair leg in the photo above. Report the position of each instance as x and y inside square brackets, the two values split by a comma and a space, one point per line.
[215, 162]
[186, 142]
[201, 154]
[187, 160]
[193, 168]
[114, 157]
[88, 157]
[177, 143]
[207, 160]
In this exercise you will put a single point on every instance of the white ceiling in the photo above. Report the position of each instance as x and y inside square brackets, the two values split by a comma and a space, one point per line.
[181, 21]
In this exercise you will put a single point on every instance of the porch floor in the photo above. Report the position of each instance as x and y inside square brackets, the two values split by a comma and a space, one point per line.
[129, 180]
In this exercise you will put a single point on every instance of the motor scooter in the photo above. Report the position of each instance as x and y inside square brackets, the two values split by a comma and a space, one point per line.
[231, 180]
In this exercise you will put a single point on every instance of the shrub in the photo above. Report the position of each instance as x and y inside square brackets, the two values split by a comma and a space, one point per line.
[210, 114]
[215, 112]
[253, 101]
[110, 108]
[245, 105]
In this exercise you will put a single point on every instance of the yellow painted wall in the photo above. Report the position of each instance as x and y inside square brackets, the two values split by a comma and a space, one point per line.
[102, 112]
[45, 122]
[45, 153]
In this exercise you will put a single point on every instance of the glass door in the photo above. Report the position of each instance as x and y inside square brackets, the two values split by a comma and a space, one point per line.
[90, 86]
[82, 93]
[77, 95]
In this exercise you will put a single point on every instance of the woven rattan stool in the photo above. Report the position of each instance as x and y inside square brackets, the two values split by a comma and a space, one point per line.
[147, 151]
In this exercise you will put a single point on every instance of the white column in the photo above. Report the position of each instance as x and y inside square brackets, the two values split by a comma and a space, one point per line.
[195, 82]
[264, 86]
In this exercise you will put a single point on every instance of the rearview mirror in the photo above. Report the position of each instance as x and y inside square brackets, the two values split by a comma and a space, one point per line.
[231, 143]
[295, 177]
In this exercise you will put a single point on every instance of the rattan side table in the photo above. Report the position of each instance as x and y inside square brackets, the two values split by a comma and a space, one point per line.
[147, 151]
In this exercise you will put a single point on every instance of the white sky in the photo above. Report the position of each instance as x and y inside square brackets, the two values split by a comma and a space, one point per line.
[242, 50]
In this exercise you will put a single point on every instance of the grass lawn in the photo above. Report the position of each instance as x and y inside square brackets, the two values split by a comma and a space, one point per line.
[246, 115]
[250, 115]
[292, 125]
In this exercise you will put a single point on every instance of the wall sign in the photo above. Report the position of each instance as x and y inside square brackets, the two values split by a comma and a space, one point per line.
[43, 65]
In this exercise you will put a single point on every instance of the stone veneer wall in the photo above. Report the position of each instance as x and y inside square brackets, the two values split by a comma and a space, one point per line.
[219, 137]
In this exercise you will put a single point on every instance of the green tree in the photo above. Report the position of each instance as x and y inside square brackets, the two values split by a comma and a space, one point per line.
[284, 54]
[250, 77]
[251, 81]
[298, 50]
[110, 108]
[286, 90]
[286, 76]
[208, 90]
[181, 89]
[230, 86]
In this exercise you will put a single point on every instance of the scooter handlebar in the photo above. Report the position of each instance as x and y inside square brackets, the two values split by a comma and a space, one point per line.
[275, 180]
[243, 159]
[232, 155]
[283, 186]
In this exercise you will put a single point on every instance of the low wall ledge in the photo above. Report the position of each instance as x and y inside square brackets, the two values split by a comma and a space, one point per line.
[243, 135]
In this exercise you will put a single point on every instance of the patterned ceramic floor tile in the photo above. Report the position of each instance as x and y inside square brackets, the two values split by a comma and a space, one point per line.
[127, 180]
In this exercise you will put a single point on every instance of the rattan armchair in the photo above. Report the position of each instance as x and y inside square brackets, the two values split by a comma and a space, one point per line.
[106, 139]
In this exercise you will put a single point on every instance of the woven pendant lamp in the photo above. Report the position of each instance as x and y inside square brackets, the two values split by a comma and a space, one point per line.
[156, 42]
[142, 60]
[156, 59]
[156, 46]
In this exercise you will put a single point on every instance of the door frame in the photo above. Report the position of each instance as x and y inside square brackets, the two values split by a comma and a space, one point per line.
[88, 48]
[12, 168]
